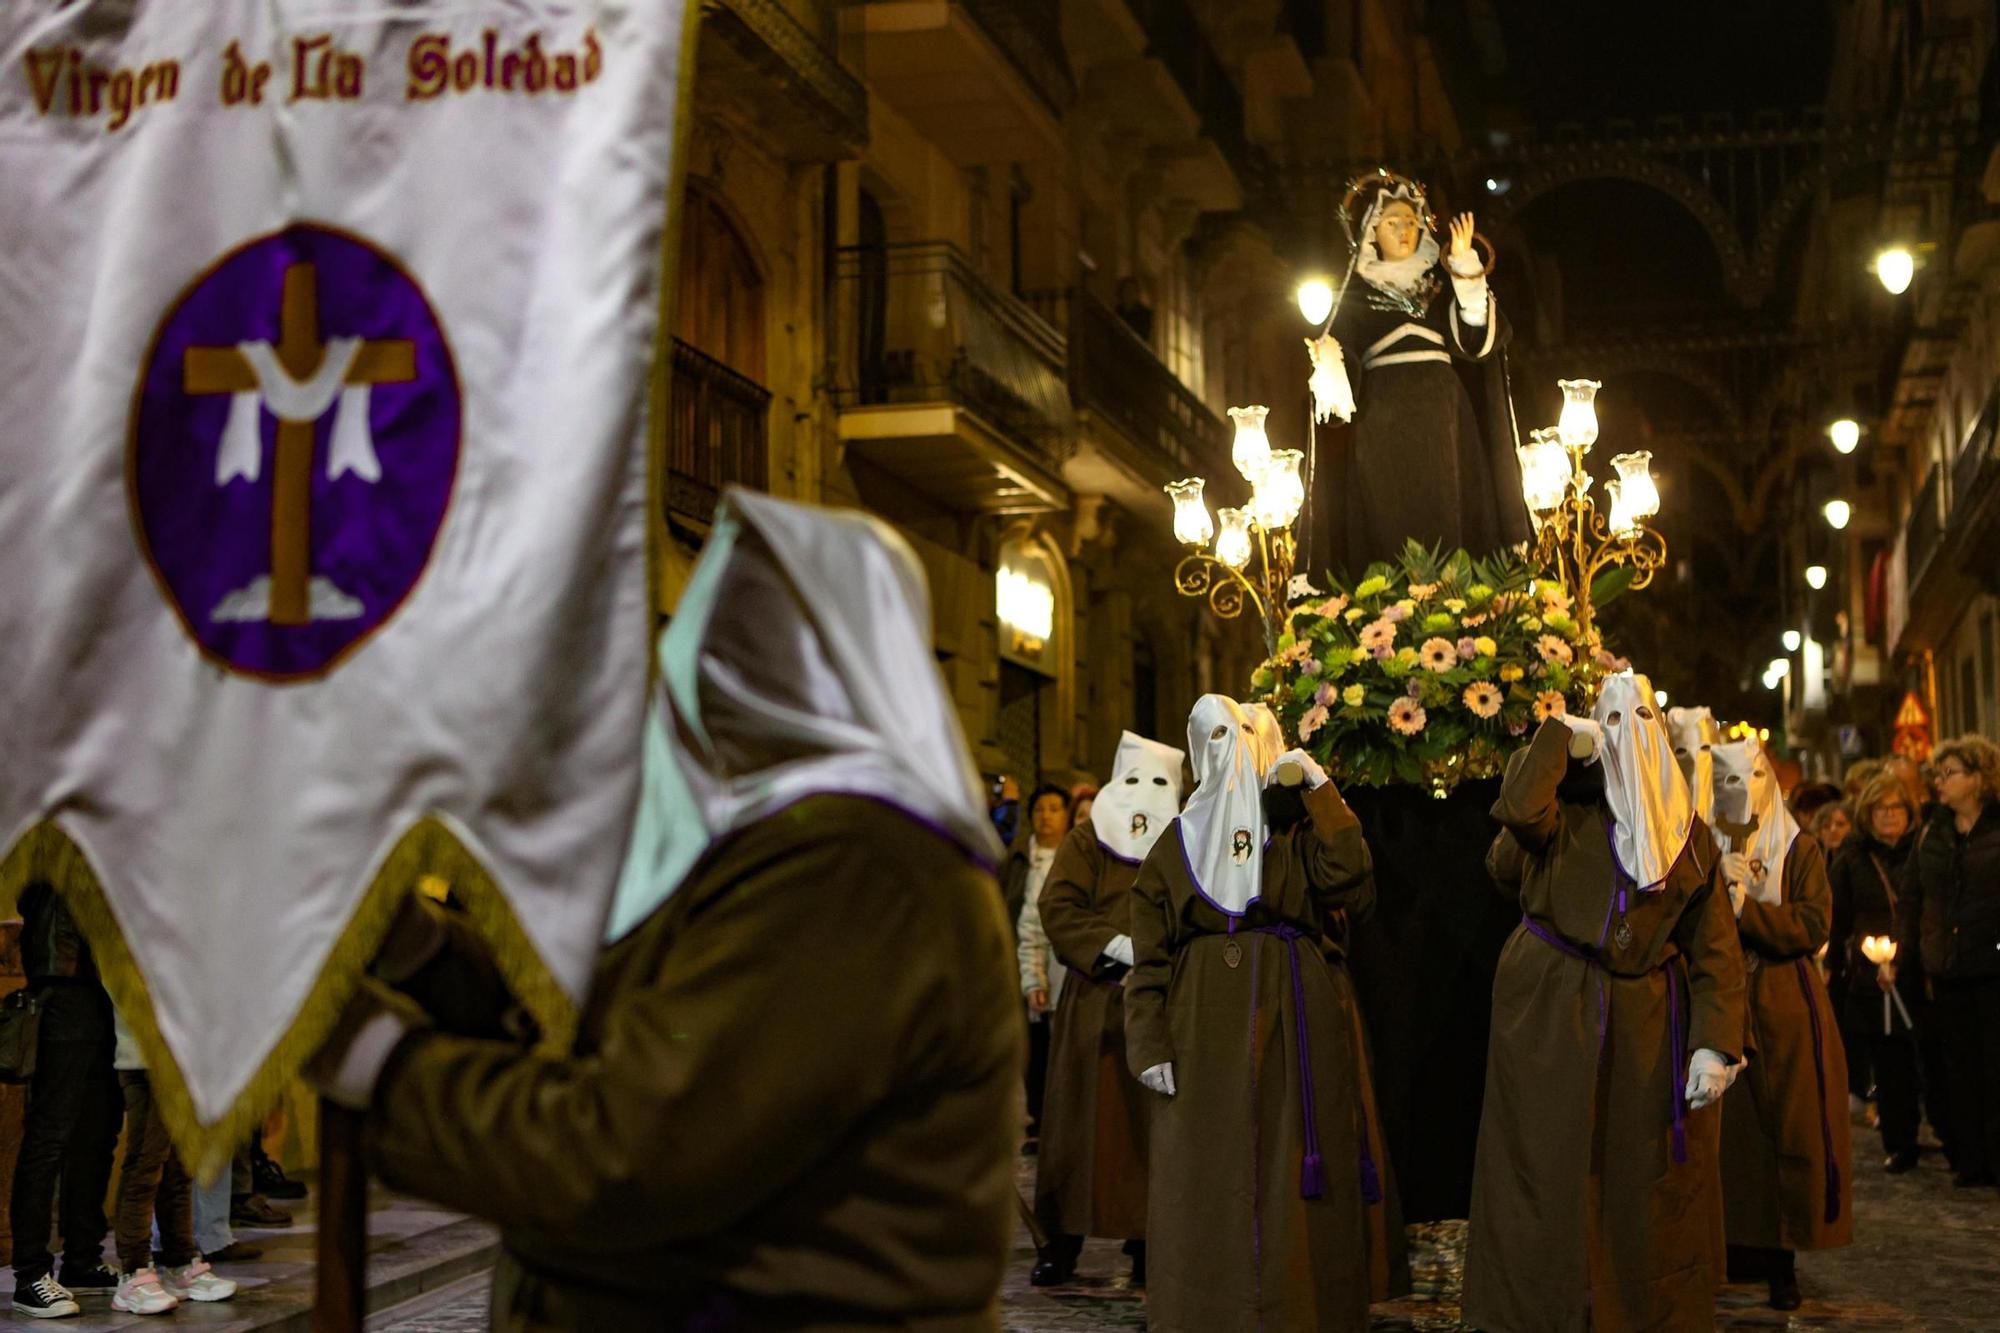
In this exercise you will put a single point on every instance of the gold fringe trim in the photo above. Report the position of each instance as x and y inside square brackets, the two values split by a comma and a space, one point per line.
[47, 854]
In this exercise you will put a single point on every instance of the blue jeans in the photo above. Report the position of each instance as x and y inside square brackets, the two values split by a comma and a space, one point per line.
[211, 1215]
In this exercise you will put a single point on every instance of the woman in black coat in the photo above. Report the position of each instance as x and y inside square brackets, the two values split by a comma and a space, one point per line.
[1950, 909]
[1885, 1031]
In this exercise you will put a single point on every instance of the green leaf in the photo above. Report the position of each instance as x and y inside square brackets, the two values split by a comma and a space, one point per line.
[1612, 583]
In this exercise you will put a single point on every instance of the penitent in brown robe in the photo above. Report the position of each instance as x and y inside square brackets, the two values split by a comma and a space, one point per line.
[1090, 1179]
[1786, 1182]
[1581, 1216]
[1232, 1243]
[791, 1104]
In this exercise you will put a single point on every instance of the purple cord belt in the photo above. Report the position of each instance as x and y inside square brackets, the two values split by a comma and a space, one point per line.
[1819, 1069]
[1678, 1033]
[1312, 1173]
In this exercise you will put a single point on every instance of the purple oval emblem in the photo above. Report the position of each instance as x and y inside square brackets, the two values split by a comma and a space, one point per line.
[294, 443]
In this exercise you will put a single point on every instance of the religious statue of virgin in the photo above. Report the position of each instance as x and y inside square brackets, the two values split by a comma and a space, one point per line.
[1420, 464]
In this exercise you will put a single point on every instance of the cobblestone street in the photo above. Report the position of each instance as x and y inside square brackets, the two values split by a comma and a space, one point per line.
[1926, 1257]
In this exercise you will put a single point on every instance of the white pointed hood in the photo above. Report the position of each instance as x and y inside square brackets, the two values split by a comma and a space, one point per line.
[1651, 809]
[798, 664]
[1751, 816]
[1694, 735]
[1222, 829]
[1134, 808]
[1270, 735]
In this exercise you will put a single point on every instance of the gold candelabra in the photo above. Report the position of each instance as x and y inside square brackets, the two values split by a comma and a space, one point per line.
[1575, 541]
[1251, 560]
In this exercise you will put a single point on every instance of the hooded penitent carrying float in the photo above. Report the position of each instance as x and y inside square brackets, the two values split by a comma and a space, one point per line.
[791, 1097]
[1785, 1149]
[1090, 1176]
[1264, 1163]
[1617, 1005]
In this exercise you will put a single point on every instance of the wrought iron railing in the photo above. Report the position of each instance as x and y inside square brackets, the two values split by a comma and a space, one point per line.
[717, 435]
[1115, 373]
[925, 326]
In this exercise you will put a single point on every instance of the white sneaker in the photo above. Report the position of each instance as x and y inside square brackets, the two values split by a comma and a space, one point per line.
[197, 1282]
[141, 1293]
[45, 1298]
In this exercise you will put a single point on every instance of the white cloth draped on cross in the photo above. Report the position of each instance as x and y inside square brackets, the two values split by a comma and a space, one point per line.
[353, 449]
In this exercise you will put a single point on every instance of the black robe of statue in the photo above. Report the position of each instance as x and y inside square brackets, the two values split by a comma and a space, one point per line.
[1418, 464]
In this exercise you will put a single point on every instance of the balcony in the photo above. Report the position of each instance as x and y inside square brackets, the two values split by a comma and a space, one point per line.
[717, 435]
[768, 68]
[978, 75]
[951, 385]
[1138, 425]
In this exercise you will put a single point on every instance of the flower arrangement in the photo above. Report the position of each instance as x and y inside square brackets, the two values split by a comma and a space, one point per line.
[1429, 670]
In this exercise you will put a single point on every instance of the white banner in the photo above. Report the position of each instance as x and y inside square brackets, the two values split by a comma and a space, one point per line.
[325, 332]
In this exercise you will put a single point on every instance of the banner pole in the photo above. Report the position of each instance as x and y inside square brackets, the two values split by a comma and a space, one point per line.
[339, 1303]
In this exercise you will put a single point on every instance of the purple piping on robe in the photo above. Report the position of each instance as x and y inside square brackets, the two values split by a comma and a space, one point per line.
[1819, 1071]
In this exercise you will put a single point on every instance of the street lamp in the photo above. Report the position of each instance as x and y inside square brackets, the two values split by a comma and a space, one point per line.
[1845, 434]
[1837, 513]
[1815, 577]
[1792, 641]
[1316, 300]
[1895, 267]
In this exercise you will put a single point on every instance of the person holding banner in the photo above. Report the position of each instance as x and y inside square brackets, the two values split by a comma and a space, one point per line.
[1090, 1179]
[1617, 1013]
[1262, 1163]
[1785, 1153]
[791, 1100]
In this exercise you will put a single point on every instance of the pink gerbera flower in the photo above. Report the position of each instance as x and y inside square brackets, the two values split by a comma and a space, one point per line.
[1313, 720]
[1378, 634]
[1422, 591]
[1553, 649]
[1483, 698]
[1406, 716]
[1550, 703]
[1437, 655]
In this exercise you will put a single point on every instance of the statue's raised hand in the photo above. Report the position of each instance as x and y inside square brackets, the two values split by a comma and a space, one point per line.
[1461, 234]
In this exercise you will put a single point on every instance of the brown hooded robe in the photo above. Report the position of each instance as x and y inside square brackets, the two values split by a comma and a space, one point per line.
[1786, 1178]
[1581, 1217]
[1233, 1244]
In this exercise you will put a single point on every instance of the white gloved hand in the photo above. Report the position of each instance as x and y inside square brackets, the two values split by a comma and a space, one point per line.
[1586, 738]
[1296, 767]
[1708, 1078]
[1119, 950]
[1736, 871]
[1160, 1078]
[1736, 1071]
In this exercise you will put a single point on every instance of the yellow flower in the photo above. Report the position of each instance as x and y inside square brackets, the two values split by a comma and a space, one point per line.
[1352, 614]
[1353, 696]
[1548, 704]
[1485, 646]
[1369, 587]
[1454, 604]
[1407, 656]
[1531, 624]
[1423, 591]
[1511, 672]
[1359, 655]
